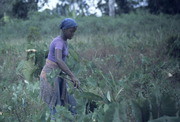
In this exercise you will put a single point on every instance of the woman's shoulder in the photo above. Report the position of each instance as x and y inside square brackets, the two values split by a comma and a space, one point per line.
[57, 39]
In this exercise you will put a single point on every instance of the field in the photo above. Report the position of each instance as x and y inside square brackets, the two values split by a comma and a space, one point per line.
[129, 68]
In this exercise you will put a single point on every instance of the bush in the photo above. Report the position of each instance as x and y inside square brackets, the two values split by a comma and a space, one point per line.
[173, 46]
[33, 35]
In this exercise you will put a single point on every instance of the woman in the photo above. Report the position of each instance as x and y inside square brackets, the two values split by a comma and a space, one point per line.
[53, 86]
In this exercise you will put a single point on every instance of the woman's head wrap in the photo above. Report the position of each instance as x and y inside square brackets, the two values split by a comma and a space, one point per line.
[68, 23]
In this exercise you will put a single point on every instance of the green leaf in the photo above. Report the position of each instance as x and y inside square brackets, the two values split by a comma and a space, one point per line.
[108, 96]
[136, 111]
[27, 68]
[109, 115]
[116, 117]
[106, 107]
[74, 55]
[91, 96]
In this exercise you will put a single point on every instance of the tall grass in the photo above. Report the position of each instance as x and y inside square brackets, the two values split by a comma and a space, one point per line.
[122, 63]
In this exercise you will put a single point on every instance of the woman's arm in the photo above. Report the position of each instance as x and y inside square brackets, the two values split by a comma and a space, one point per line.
[64, 67]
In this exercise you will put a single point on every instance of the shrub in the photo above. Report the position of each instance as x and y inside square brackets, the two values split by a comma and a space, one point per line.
[33, 35]
[173, 46]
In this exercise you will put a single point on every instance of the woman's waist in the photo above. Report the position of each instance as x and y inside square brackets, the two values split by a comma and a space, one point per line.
[50, 65]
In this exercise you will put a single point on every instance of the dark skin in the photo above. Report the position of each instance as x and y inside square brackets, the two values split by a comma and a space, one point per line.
[66, 34]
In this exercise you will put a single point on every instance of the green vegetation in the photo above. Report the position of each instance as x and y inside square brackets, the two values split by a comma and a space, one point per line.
[128, 65]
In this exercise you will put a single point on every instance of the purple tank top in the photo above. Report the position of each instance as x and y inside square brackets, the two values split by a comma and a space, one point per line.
[58, 43]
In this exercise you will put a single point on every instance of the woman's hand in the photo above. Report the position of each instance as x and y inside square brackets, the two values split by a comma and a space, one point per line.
[75, 81]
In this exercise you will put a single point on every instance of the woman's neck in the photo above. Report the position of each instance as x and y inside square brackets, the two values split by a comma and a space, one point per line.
[63, 37]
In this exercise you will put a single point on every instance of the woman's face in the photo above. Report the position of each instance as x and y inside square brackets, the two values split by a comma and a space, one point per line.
[69, 33]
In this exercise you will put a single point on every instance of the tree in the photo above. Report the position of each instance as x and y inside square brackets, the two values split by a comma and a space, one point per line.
[124, 6]
[164, 6]
[18, 8]
[62, 9]
[21, 8]
[72, 8]
[111, 4]
[6, 7]
[103, 6]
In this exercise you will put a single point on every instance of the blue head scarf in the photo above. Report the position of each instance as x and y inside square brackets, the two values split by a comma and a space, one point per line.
[68, 23]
